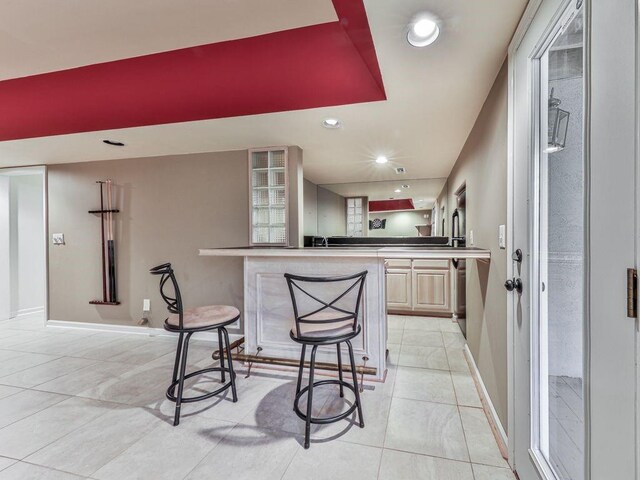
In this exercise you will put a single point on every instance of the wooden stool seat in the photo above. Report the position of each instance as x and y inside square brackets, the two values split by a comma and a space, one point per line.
[209, 316]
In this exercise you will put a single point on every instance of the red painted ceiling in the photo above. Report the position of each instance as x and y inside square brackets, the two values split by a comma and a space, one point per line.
[321, 65]
[387, 205]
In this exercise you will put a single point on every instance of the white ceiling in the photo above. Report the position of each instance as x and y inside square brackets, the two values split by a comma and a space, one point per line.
[423, 192]
[434, 94]
[38, 36]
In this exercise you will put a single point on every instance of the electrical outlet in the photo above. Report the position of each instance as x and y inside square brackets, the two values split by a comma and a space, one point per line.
[58, 238]
[146, 305]
[502, 237]
[471, 237]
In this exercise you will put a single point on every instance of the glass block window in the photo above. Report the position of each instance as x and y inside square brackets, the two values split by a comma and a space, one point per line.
[355, 217]
[268, 197]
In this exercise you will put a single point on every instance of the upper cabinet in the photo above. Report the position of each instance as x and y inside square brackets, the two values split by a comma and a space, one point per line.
[275, 188]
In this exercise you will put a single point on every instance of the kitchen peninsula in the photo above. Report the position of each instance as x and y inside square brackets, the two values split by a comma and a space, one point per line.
[267, 302]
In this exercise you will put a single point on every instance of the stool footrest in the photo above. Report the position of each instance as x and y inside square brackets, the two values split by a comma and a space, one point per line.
[171, 395]
[324, 420]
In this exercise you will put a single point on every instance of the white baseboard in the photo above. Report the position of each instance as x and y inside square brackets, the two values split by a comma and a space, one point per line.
[26, 311]
[486, 402]
[132, 330]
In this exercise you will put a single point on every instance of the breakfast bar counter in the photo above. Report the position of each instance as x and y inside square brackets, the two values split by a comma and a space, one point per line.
[432, 252]
[268, 314]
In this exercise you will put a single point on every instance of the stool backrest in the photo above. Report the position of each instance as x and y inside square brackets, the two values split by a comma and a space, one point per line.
[321, 311]
[172, 299]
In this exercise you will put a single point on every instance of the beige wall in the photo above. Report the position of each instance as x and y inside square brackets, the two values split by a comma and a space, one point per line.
[332, 213]
[399, 224]
[442, 201]
[170, 207]
[310, 205]
[296, 197]
[482, 164]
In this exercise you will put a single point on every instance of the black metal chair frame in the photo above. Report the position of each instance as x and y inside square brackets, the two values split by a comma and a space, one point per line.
[293, 282]
[175, 306]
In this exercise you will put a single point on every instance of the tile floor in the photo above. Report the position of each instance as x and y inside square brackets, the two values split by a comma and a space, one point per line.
[79, 404]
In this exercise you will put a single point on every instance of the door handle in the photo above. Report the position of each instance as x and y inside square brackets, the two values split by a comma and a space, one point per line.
[517, 256]
[513, 284]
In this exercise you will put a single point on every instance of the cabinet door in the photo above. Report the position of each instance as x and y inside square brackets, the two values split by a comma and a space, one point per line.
[432, 290]
[399, 289]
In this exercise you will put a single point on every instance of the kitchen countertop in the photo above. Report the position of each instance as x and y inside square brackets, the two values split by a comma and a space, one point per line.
[431, 252]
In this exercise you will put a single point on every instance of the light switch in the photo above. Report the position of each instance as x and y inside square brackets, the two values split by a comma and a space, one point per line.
[471, 237]
[502, 237]
[146, 305]
[58, 238]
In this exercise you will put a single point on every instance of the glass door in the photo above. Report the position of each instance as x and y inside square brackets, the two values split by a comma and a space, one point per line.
[572, 235]
[558, 256]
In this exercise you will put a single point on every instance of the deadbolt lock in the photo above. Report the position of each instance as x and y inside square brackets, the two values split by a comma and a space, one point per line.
[517, 256]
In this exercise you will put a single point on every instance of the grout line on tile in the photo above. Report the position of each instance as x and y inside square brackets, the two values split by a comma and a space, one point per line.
[425, 455]
[464, 434]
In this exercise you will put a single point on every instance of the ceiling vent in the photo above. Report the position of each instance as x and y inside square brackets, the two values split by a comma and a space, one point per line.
[401, 170]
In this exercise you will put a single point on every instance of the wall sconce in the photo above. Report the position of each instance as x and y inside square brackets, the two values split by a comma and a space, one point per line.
[558, 122]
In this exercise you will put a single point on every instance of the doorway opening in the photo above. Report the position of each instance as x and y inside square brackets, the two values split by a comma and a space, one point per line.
[23, 245]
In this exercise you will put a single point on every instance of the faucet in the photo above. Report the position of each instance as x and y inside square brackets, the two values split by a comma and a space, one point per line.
[320, 242]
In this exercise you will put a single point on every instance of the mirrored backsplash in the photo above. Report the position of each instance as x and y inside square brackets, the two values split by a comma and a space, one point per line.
[402, 208]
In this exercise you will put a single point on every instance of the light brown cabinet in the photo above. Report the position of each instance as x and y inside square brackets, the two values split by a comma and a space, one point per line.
[399, 292]
[399, 288]
[431, 292]
[421, 286]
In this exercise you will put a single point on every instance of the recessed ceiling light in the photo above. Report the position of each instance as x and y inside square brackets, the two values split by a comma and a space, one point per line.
[382, 159]
[405, 185]
[423, 31]
[401, 170]
[397, 190]
[113, 143]
[331, 123]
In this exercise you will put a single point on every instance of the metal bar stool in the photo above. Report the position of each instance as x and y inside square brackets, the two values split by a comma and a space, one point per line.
[186, 323]
[326, 323]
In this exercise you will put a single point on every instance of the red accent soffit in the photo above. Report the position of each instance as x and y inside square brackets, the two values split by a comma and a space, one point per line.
[317, 66]
[388, 205]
